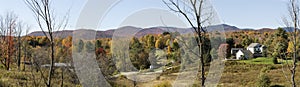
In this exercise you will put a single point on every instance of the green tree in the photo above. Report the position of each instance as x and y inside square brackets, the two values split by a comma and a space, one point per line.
[88, 46]
[270, 46]
[281, 48]
[166, 33]
[78, 46]
[159, 43]
[98, 44]
[230, 42]
[280, 32]
[246, 41]
[43, 41]
[151, 41]
[137, 54]
[281, 43]
[175, 45]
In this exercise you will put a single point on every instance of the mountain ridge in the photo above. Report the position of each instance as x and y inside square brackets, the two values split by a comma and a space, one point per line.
[152, 30]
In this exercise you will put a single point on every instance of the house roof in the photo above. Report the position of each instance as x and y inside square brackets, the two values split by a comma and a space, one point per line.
[263, 46]
[246, 52]
[252, 45]
[237, 48]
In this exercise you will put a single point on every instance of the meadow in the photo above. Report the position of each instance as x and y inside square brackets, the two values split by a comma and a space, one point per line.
[243, 73]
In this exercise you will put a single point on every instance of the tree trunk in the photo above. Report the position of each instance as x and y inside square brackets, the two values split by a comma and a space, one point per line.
[62, 77]
[294, 55]
[52, 62]
[202, 62]
[19, 53]
[295, 9]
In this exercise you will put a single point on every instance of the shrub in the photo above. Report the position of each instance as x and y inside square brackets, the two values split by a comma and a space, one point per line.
[164, 84]
[275, 61]
[122, 77]
[265, 69]
[1, 66]
[271, 67]
[3, 84]
[263, 80]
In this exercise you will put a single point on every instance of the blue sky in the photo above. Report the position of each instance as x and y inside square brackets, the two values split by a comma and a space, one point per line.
[252, 13]
[240, 13]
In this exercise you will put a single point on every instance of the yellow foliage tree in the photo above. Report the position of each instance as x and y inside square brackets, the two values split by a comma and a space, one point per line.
[159, 43]
[290, 48]
[169, 50]
[67, 42]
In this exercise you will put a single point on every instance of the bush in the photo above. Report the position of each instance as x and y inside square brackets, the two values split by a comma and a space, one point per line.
[164, 84]
[271, 67]
[265, 69]
[3, 84]
[1, 66]
[263, 80]
[275, 61]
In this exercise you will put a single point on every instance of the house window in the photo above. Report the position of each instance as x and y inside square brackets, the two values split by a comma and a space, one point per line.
[257, 50]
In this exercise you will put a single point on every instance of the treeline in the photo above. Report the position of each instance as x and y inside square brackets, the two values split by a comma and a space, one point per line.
[278, 45]
[35, 49]
[278, 42]
[144, 51]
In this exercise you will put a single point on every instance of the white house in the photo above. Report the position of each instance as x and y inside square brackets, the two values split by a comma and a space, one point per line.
[235, 50]
[256, 49]
[243, 54]
[263, 48]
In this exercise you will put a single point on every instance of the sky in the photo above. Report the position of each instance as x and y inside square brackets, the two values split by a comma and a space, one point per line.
[241, 13]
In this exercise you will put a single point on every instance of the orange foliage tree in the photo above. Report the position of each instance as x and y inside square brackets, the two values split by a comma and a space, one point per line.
[7, 27]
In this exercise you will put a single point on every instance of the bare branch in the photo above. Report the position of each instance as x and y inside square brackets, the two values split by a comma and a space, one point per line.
[47, 23]
[293, 9]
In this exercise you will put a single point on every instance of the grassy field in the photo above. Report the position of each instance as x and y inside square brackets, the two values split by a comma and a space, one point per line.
[32, 78]
[245, 73]
[242, 73]
[265, 60]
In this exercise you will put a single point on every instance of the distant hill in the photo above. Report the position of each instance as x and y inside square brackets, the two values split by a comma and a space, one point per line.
[154, 30]
[226, 27]
[289, 29]
[109, 33]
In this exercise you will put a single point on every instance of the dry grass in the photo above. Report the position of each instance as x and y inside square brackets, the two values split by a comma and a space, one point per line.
[29, 78]
[241, 74]
[236, 74]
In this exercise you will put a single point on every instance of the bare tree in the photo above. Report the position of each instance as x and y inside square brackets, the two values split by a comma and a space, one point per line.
[19, 32]
[25, 48]
[294, 6]
[293, 22]
[48, 24]
[7, 29]
[198, 14]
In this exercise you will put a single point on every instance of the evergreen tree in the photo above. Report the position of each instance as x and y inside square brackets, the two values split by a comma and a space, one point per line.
[88, 46]
[138, 55]
[78, 46]
[151, 42]
[281, 43]
[98, 44]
